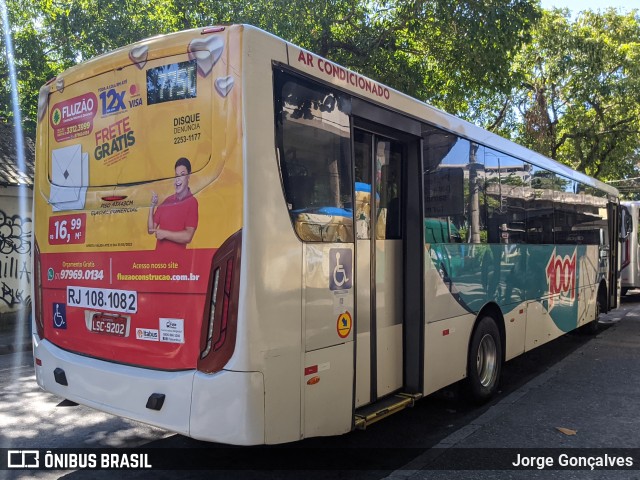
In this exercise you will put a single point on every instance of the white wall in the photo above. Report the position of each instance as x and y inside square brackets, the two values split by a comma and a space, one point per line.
[15, 248]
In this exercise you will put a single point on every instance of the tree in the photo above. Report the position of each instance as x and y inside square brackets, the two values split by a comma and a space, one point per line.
[580, 100]
[449, 53]
[31, 62]
[51, 36]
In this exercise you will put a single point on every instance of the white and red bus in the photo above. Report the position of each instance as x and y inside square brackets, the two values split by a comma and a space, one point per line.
[243, 242]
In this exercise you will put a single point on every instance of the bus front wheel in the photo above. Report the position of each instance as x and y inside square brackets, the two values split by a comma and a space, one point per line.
[484, 361]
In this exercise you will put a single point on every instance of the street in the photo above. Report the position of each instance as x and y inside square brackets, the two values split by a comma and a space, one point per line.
[31, 418]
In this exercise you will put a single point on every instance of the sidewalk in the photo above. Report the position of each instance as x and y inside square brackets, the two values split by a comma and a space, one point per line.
[589, 400]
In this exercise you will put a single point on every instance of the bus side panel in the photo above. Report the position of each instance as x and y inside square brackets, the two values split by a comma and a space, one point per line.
[328, 306]
[327, 400]
[228, 407]
[328, 301]
[445, 355]
[515, 325]
[562, 288]
[540, 325]
[543, 292]
[446, 347]
[439, 303]
[588, 298]
[270, 335]
[588, 282]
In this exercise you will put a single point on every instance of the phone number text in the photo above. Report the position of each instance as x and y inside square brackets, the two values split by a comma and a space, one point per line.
[81, 275]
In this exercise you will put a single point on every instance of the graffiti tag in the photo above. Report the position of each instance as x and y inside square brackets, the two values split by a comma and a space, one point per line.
[14, 297]
[15, 234]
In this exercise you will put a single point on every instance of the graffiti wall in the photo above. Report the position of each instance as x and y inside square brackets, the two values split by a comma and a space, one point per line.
[15, 249]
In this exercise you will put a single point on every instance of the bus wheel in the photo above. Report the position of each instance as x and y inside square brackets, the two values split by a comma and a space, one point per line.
[484, 361]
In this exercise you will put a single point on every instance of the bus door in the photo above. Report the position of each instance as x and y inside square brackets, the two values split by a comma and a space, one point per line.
[379, 165]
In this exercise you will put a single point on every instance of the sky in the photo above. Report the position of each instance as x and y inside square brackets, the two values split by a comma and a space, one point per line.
[578, 5]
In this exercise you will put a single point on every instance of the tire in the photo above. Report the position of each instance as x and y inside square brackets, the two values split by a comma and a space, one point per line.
[484, 362]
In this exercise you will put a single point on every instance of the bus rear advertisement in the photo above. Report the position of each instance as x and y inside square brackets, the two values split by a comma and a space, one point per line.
[109, 142]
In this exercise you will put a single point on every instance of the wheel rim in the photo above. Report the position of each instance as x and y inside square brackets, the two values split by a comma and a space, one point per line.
[487, 360]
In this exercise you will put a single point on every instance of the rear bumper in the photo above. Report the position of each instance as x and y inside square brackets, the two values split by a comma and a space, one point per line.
[225, 407]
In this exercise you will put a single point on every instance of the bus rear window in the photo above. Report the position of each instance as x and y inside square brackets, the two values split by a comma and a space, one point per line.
[313, 139]
[129, 126]
[176, 81]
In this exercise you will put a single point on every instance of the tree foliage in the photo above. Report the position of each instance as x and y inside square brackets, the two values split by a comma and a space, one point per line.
[580, 100]
[442, 51]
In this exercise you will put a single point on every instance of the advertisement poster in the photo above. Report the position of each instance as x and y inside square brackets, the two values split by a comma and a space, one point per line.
[138, 183]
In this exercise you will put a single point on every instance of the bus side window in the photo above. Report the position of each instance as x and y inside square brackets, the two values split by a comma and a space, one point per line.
[539, 207]
[313, 135]
[454, 189]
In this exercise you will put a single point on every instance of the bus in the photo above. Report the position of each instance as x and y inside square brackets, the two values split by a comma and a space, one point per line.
[243, 242]
[629, 253]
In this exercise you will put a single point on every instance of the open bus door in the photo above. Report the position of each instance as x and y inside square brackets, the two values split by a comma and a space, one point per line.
[389, 249]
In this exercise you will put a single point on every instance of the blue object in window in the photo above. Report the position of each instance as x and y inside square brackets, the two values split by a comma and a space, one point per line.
[333, 211]
[363, 187]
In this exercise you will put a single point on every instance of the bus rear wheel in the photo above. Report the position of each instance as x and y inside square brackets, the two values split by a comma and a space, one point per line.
[484, 361]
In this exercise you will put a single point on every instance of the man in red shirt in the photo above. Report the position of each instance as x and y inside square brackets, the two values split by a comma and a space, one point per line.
[175, 221]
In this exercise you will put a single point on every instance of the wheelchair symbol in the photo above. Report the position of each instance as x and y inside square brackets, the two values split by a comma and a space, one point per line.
[59, 318]
[340, 268]
[339, 273]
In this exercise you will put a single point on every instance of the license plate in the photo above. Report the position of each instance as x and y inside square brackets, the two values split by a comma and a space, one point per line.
[110, 325]
[122, 301]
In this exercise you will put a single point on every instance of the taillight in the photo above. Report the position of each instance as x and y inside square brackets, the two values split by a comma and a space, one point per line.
[37, 290]
[226, 301]
[219, 328]
[212, 313]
